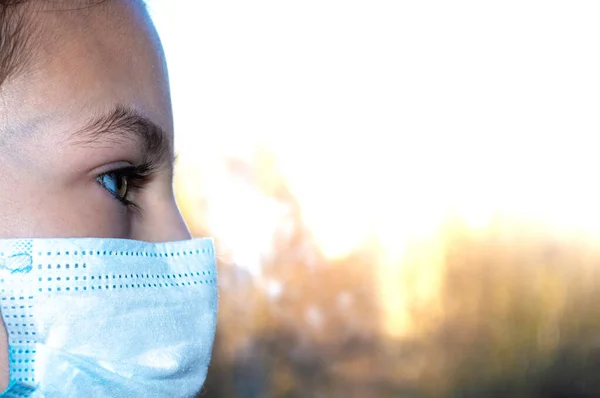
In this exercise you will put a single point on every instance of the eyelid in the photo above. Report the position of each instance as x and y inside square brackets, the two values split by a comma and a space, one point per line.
[144, 169]
[110, 168]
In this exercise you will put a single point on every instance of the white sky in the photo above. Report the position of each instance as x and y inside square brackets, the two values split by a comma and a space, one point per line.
[390, 113]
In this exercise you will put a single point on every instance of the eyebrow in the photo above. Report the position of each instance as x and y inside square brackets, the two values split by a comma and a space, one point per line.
[123, 125]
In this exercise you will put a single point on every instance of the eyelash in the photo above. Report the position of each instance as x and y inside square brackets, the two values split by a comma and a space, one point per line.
[136, 177]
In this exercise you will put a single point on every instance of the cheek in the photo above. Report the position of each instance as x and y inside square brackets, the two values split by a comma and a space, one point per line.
[97, 214]
[46, 212]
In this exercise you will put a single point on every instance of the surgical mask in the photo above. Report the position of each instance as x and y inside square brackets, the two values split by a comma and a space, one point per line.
[107, 317]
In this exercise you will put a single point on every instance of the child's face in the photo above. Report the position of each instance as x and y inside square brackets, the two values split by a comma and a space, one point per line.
[57, 135]
[60, 134]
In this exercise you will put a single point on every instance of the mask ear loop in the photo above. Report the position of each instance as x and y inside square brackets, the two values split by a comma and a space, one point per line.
[16, 389]
[19, 263]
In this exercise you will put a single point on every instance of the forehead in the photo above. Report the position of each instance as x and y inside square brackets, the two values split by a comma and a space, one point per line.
[87, 60]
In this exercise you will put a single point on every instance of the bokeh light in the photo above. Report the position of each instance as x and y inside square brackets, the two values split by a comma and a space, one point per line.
[402, 194]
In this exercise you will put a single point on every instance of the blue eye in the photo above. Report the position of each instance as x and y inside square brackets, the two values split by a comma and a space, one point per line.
[116, 183]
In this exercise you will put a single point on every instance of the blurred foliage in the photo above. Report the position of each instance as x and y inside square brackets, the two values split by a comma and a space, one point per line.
[516, 315]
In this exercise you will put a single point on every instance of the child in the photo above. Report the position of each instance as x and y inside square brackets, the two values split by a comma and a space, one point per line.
[86, 151]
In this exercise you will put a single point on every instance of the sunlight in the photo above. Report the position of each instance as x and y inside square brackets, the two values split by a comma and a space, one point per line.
[380, 128]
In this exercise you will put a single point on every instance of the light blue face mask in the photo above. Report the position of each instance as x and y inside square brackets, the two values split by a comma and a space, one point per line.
[108, 317]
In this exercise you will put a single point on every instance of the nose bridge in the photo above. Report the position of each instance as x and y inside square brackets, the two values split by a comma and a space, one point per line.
[165, 224]
[175, 227]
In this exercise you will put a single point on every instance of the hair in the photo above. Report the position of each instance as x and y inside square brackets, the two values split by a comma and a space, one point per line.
[16, 34]
[20, 32]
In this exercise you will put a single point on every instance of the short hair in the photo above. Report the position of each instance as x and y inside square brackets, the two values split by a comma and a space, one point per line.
[16, 33]
[20, 32]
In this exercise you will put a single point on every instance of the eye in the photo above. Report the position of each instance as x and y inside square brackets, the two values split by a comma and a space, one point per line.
[116, 183]
[122, 183]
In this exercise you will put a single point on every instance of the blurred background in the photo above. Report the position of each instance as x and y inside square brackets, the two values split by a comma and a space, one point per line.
[404, 195]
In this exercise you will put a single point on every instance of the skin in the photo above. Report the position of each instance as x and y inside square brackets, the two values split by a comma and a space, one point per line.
[87, 62]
